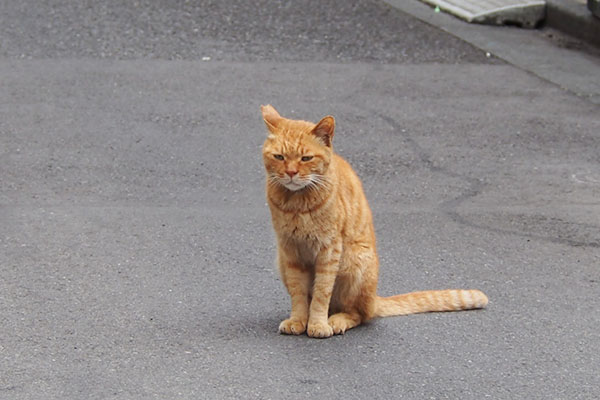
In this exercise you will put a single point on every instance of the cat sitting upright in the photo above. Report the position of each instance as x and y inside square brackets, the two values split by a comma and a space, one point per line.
[326, 241]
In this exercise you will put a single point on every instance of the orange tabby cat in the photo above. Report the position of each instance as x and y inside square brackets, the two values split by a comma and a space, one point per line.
[326, 240]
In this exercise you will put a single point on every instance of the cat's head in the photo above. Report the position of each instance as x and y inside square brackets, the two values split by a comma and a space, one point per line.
[296, 153]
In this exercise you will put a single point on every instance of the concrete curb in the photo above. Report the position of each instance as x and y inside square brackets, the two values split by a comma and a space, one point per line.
[574, 19]
[569, 68]
[571, 17]
[525, 13]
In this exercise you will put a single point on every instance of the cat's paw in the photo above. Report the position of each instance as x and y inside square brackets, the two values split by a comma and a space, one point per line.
[339, 324]
[319, 330]
[292, 326]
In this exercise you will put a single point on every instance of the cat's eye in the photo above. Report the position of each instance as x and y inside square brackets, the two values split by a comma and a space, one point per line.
[307, 158]
[278, 157]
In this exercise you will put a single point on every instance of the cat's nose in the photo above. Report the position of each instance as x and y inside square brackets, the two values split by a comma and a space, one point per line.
[291, 173]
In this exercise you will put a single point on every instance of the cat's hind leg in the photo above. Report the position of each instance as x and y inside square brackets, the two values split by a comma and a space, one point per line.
[343, 321]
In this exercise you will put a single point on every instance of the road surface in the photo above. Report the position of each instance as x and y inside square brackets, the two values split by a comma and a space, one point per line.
[137, 256]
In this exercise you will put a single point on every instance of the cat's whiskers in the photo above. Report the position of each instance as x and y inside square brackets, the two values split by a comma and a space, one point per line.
[319, 181]
[274, 180]
[311, 182]
[312, 187]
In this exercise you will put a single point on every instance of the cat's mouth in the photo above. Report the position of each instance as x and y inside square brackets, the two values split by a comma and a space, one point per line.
[294, 186]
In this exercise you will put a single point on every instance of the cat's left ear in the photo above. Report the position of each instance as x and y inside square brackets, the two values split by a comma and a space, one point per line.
[324, 130]
[271, 117]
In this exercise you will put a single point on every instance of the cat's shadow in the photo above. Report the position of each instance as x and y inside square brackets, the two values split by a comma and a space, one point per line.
[267, 327]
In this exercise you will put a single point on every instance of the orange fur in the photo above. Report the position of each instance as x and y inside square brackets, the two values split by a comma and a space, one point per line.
[327, 255]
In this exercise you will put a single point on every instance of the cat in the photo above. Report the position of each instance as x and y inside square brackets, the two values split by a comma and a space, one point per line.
[326, 254]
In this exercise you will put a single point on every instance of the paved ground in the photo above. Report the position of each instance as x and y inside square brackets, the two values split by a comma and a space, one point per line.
[136, 250]
[261, 30]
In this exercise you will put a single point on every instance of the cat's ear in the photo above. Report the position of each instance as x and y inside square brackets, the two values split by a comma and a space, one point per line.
[324, 130]
[271, 117]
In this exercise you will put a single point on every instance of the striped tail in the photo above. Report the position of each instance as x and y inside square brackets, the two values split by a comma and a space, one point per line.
[430, 301]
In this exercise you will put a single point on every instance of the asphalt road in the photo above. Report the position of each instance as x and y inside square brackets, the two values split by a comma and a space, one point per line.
[137, 257]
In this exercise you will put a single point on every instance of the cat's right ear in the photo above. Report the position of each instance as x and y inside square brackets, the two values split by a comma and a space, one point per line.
[271, 117]
[324, 130]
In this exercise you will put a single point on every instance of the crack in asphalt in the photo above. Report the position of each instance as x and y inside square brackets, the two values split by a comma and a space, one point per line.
[475, 187]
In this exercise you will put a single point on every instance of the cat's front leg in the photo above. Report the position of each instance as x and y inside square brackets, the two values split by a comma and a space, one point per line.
[296, 279]
[326, 269]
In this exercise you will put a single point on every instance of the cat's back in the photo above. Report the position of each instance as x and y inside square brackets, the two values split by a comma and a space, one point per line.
[352, 202]
[349, 183]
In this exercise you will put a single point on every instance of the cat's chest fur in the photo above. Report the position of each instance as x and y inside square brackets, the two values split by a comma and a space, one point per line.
[303, 227]
[305, 233]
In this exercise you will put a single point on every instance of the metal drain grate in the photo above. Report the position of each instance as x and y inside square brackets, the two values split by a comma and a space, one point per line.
[525, 13]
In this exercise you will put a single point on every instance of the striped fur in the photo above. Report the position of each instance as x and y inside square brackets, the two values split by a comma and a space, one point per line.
[327, 253]
[430, 301]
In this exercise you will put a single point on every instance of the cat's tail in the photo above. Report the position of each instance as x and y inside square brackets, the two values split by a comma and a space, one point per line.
[429, 301]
